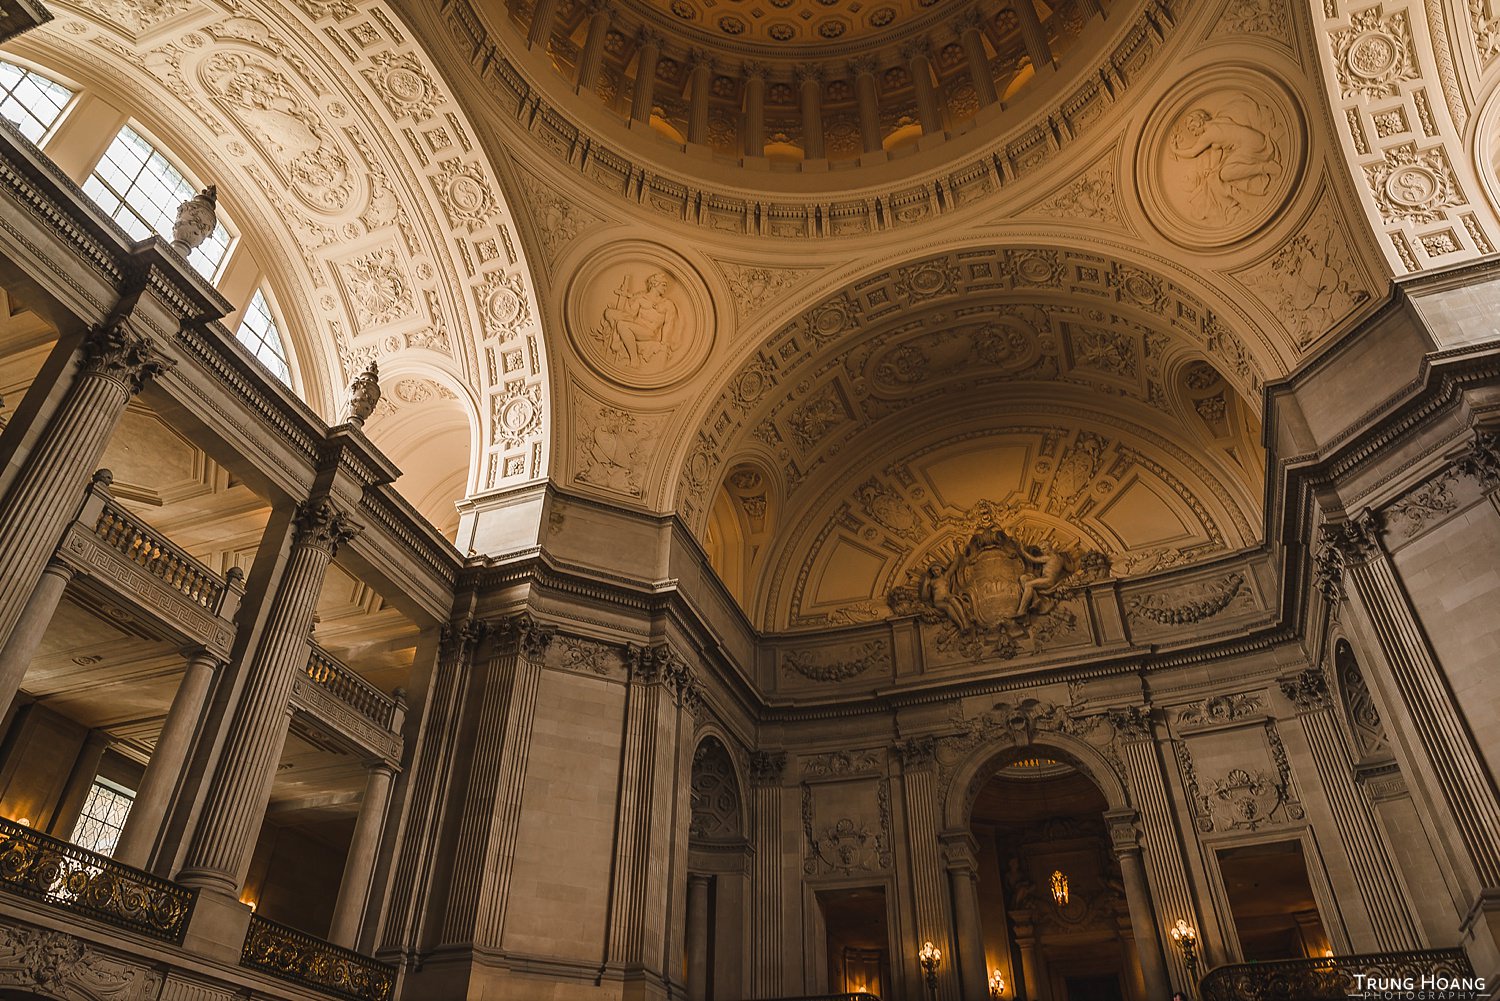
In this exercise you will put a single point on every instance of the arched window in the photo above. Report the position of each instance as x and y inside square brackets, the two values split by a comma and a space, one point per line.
[141, 190]
[259, 333]
[30, 100]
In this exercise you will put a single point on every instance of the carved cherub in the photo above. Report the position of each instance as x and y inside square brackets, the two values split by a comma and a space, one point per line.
[1053, 566]
[939, 593]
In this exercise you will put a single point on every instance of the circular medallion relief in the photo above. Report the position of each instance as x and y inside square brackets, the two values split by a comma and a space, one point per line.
[640, 316]
[1220, 158]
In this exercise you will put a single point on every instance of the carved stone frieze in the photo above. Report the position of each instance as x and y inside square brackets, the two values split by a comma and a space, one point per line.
[1191, 603]
[1221, 709]
[613, 448]
[1243, 797]
[62, 966]
[1414, 185]
[836, 764]
[1092, 196]
[756, 287]
[588, 656]
[1426, 503]
[767, 767]
[849, 844]
[822, 665]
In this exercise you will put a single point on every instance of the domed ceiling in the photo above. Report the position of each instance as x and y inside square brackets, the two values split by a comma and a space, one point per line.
[783, 28]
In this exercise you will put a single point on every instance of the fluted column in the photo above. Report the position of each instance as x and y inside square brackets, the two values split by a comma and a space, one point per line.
[1033, 35]
[1127, 849]
[645, 76]
[868, 96]
[115, 363]
[1037, 987]
[697, 935]
[766, 911]
[236, 802]
[963, 883]
[700, 80]
[971, 38]
[919, 66]
[359, 864]
[479, 893]
[1384, 897]
[660, 688]
[543, 15]
[810, 89]
[1090, 9]
[601, 14]
[167, 761]
[1424, 715]
[1164, 865]
[431, 776]
[31, 626]
[755, 109]
[919, 783]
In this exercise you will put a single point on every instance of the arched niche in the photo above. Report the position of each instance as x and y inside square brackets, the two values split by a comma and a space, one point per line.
[717, 899]
[427, 427]
[741, 524]
[981, 764]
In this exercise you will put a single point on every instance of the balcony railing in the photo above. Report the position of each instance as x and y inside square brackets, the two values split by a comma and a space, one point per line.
[349, 688]
[293, 955]
[55, 872]
[128, 536]
[1334, 978]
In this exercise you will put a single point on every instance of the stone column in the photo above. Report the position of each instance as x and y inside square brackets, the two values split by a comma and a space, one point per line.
[1127, 849]
[359, 864]
[592, 60]
[700, 79]
[767, 958]
[810, 88]
[1037, 987]
[868, 95]
[1384, 897]
[167, 761]
[1090, 9]
[649, 51]
[31, 626]
[431, 776]
[115, 363]
[75, 793]
[236, 803]
[971, 37]
[543, 15]
[755, 109]
[1166, 871]
[963, 883]
[479, 891]
[919, 65]
[697, 935]
[1033, 34]
[646, 818]
[1455, 788]
[919, 783]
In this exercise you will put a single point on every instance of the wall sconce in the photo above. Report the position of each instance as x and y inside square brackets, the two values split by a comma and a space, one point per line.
[997, 984]
[1187, 940]
[1059, 888]
[930, 957]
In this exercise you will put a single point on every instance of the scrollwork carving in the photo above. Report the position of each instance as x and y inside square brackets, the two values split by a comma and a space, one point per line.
[815, 666]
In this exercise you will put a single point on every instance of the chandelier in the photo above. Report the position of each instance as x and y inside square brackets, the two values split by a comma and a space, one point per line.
[1059, 887]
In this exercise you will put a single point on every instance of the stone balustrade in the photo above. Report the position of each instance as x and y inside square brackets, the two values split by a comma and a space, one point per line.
[349, 688]
[130, 537]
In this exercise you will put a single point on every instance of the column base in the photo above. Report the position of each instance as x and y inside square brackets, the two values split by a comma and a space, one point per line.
[930, 139]
[217, 928]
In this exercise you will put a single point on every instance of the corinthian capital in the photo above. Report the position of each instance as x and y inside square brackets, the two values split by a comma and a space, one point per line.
[112, 351]
[320, 525]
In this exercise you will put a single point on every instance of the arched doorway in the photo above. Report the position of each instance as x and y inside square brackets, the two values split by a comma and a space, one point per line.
[717, 893]
[1052, 900]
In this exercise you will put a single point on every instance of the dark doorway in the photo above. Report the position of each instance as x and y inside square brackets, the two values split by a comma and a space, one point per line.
[1272, 902]
[1093, 988]
[859, 956]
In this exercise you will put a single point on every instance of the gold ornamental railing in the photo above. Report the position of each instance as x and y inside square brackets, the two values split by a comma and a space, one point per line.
[127, 535]
[1446, 972]
[63, 875]
[292, 955]
[349, 688]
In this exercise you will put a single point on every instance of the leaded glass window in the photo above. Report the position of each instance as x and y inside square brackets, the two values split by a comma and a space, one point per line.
[30, 100]
[259, 333]
[103, 818]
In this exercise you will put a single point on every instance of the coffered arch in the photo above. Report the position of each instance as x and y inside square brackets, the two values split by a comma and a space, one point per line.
[1027, 313]
[343, 155]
